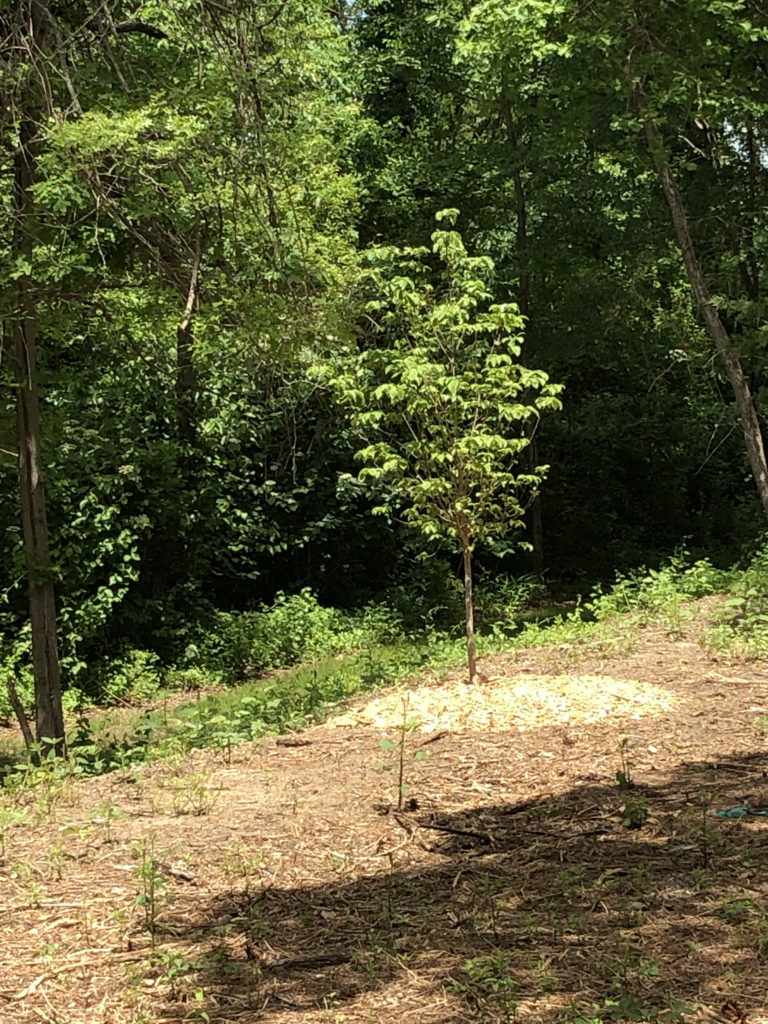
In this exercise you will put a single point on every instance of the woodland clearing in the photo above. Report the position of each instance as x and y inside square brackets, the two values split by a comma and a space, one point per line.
[557, 857]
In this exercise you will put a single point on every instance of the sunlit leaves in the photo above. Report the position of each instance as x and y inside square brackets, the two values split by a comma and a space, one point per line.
[447, 405]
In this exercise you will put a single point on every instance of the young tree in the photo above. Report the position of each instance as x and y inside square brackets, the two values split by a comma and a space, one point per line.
[446, 406]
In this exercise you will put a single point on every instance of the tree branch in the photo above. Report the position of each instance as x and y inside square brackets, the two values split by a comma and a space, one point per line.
[140, 27]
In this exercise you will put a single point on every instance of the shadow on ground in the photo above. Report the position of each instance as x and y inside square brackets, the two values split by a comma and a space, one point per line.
[602, 903]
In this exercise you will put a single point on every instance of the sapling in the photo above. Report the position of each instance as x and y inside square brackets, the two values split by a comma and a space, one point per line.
[405, 728]
[445, 405]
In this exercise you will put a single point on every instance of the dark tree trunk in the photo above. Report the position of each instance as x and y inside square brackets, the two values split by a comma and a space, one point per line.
[49, 718]
[186, 377]
[524, 298]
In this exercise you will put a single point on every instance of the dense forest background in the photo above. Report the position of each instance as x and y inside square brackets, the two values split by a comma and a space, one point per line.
[198, 200]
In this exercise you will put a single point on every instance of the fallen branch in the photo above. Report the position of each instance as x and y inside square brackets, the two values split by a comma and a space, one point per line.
[479, 836]
[141, 27]
[432, 739]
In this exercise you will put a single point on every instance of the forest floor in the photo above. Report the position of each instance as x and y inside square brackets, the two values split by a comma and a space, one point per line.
[557, 858]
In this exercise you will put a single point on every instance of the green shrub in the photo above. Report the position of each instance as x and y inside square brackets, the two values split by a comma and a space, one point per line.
[432, 598]
[743, 621]
[134, 678]
[295, 628]
[500, 602]
[189, 679]
[654, 590]
[16, 664]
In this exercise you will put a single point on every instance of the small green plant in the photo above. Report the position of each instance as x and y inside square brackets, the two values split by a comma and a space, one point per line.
[197, 1012]
[701, 827]
[628, 1007]
[193, 794]
[546, 977]
[376, 958]
[56, 861]
[241, 862]
[152, 884]
[571, 881]
[173, 969]
[634, 811]
[406, 727]
[8, 818]
[735, 911]
[749, 918]
[103, 815]
[752, 933]
[42, 780]
[490, 888]
[487, 984]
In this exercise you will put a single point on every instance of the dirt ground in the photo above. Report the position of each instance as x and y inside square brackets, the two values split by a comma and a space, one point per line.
[557, 857]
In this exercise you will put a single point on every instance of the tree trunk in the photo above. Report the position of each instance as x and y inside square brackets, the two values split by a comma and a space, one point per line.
[716, 329]
[49, 717]
[186, 377]
[524, 293]
[469, 609]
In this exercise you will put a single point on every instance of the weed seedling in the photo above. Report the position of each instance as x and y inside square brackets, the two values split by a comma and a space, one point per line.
[247, 865]
[55, 859]
[104, 814]
[487, 983]
[8, 818]
[624, 774]
[490, 888]
[152, 884]
[634, 811]
[405, 728]
[698, 828]
[172, 968]
[194, 795]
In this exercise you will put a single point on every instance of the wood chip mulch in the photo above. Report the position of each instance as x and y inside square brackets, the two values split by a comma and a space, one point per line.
[514, 878]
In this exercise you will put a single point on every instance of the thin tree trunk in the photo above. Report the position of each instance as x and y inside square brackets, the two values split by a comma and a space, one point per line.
[716, 329]
[524, 303]
[186, 377]
[49, 717]
[469, 609]
[21, 716]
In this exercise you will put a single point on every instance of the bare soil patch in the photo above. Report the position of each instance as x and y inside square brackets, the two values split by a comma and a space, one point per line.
[518, 882]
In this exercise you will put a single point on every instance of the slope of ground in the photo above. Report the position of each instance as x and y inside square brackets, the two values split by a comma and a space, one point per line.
[520, 880]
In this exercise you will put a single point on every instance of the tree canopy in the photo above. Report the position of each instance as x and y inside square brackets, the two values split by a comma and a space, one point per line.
[214, 213]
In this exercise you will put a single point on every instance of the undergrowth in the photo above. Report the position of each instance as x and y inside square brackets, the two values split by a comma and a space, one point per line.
[303, 658]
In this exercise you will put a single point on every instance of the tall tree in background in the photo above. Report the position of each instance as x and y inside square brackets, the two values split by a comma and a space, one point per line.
[690, 78]
[703, 70]
[24, 80]
[485, 104]
[180, 243]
